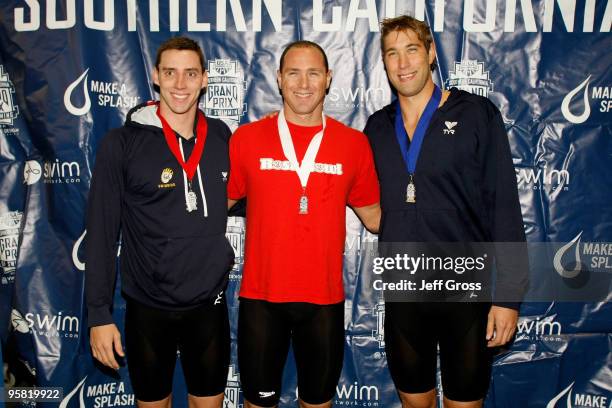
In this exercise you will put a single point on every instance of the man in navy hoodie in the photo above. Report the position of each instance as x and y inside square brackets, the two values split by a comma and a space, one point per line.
[160, 183]
[462, 189]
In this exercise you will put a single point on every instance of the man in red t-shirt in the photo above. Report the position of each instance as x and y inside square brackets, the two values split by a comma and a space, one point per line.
[298, 170]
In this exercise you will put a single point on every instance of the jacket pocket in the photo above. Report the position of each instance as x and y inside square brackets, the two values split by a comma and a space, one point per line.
[192, 269]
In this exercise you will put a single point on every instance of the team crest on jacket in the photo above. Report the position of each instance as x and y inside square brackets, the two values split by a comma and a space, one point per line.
[166, 176]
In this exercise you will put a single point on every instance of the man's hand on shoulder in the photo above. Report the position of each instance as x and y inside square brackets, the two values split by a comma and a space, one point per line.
[501, 325]
[105, 341]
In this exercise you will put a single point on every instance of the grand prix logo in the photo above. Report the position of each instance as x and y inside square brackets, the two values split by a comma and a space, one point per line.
[78, 111]
[224, 98]
[8, 110]
[565, 105]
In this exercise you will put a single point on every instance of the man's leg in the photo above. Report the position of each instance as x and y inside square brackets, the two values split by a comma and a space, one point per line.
[418, 400]
[318, 345]
[204, 343]
[151, 354]
[214, 401]
[263, 344]
[464, 357]
[165, 403]
[410, 345]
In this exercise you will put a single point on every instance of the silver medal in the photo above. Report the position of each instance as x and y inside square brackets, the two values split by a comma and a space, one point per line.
[303, 205]
[191, 201]
[411, 192]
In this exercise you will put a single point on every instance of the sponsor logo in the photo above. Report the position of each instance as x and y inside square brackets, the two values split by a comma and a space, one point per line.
[235, 234]
[9, 243]
[75, 252]
[224, 176]
[267, 163]
[470, 76]
[601, 93]
[218, 299]
[47, 325]
[536, 179]
[449, 128]
[357, 395]
[594, 256]
[8, 110]
[99, 395]
[109, 94]
[231, 398]
[19, 323]
[578, 400]
[61, 172]
[347, 99]
[70, 107]
[31, 172]
[224, 98]
[539, 329]
[378, 333]
[166, 176]
[79, 388]
[266, 394]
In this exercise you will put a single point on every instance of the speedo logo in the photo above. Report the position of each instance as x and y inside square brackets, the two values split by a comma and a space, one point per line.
[285, 165]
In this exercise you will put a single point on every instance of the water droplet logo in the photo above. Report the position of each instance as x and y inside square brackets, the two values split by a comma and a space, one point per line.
[567, 391]
[31, 172]
[67, 95]
[559, 267]
[68, 397]
[75, 253]
[577, 119]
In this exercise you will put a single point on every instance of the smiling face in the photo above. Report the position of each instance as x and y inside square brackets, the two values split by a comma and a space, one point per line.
[180, 78]
[303, 82]
[408, 62]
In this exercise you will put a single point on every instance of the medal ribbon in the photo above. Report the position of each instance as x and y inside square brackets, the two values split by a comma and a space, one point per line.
[191, 164]
[411, 154]
[303, 171]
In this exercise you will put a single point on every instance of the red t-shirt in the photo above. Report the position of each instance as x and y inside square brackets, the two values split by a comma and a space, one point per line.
[291, 257]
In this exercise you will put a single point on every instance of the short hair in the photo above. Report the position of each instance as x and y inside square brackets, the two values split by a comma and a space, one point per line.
[181, 44]
[303, 44]
[405, 23]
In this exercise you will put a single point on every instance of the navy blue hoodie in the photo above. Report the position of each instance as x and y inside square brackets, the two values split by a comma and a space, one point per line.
[465, 184]
[170, 258]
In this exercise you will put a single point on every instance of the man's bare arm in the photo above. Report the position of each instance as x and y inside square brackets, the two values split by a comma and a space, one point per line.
[370, 216]
[230, 203]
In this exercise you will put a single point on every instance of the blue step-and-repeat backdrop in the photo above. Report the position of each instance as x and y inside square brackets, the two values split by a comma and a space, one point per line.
[71, 69]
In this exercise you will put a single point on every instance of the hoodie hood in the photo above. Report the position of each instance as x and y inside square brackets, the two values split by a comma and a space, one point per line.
[144, 116]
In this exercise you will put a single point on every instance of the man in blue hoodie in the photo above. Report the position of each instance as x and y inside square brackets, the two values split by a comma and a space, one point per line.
[461, 190]
[160, 182]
